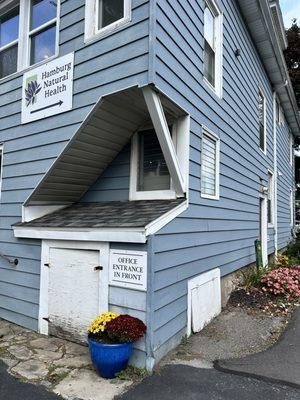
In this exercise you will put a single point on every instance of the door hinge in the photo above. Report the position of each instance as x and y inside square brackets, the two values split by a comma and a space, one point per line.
[98, 268]
[46, 319]
[47, 265]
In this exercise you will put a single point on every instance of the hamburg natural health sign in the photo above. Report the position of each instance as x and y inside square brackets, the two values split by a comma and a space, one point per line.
[48, 89]
[128, 269]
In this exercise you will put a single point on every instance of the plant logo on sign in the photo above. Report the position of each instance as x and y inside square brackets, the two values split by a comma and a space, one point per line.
[31, 91]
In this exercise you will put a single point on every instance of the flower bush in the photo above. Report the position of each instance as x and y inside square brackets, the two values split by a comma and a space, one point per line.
[114, 328]
[97, 328]
[283, 283]
[125, 329]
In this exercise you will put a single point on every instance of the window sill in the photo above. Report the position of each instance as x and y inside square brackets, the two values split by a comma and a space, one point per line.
[153, 195]
[18, 74]
[263, 151]
[207, 196]
[218, 93]
[107, 31]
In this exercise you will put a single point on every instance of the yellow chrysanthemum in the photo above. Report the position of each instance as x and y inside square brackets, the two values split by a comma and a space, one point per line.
[99, 323]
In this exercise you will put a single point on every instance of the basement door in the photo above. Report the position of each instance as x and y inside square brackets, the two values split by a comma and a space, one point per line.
[77, 289]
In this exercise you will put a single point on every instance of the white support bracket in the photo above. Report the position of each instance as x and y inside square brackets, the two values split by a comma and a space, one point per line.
[161, 127]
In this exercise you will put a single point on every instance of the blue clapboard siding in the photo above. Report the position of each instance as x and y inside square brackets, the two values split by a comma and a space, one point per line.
[212, 233]
[110, 64]
[285, 185]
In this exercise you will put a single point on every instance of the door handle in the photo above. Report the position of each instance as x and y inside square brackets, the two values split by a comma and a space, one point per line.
[98, 268]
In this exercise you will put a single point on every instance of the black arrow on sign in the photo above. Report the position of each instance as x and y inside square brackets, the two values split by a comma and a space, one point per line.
[45, 108]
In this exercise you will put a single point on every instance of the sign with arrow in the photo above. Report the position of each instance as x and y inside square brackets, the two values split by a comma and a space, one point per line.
[48, 89]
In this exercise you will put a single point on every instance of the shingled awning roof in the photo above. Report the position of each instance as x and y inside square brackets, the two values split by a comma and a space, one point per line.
[100, 220]
[112, 214]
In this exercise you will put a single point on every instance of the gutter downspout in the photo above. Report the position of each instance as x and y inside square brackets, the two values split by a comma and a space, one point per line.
[275, 174]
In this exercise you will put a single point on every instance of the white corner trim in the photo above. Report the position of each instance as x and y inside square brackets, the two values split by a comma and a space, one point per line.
[30, 213]
[161, 127]
[162, 221]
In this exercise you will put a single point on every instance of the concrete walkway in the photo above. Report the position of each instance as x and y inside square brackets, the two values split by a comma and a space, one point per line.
[60, 366]
[280, 363]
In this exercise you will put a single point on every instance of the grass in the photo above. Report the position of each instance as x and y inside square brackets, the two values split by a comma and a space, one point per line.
[133, 374]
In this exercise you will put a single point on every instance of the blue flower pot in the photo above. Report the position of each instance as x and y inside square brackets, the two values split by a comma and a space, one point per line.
[109, 359]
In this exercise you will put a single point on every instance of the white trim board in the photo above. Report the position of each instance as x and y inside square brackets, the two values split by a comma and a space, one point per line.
[125, 235]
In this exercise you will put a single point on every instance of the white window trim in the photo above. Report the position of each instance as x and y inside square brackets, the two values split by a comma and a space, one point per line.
[24, 35]
[213, 136]
[218, 88]
[1, 169]
[91, 31]
[292, 211]
[134, 194]
[264, 151]
[291, 149]
[271, 224]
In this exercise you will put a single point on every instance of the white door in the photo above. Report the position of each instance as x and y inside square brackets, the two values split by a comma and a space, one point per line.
[74, 288]
[263, 229]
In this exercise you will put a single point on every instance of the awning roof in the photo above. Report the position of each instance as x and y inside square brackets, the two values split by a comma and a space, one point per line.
[112, 214]
[106, 130]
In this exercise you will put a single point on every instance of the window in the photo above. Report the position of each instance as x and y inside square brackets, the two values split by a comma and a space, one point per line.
[43, 20]
[291, 148]
[150, 177]
[1, 166]
[270, 198]
[28, 34]
[262, 121]
[9, 34]
[213, 47]
[104, 16]
[292, 207]
[210, 165]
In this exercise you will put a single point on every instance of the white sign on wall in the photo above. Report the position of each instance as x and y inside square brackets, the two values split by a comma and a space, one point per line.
[128, 269]
[48, 89]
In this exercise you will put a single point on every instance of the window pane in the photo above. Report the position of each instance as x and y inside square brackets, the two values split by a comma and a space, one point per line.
[153, 170]
[208, 166]
[9, 27]
[42, 11]
[209, 27]
[8, 61]
[43, 45]
[209, 64]
[110, 11]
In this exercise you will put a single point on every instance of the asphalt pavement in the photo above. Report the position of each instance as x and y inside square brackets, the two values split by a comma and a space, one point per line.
[13, 389]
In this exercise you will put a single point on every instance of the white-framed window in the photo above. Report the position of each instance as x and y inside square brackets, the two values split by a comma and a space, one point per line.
[1, 167]
[149, 176]
[28, 34]
[291, 148]
[262, 120]
[292, 210]
[210, 165]
[105, 16]
[213, 43]
[271, 198]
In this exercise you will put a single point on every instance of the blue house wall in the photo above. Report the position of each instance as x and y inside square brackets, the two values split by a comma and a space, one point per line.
[211, 233]
[115, 62]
